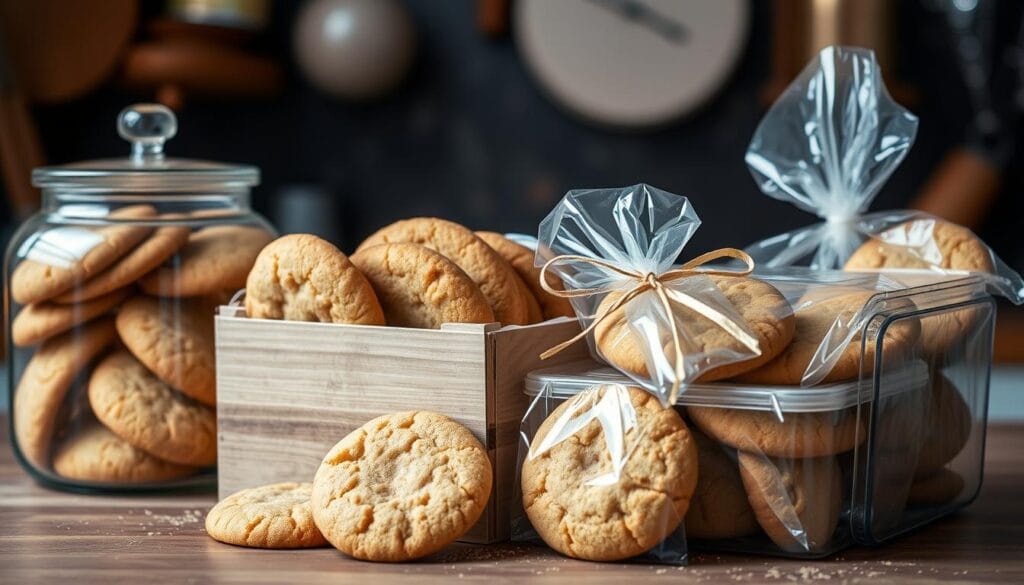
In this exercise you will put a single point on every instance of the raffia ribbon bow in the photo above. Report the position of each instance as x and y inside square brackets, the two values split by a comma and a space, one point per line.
[666, 295]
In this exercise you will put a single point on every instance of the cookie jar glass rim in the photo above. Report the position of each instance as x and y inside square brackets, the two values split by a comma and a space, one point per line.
[147, 127]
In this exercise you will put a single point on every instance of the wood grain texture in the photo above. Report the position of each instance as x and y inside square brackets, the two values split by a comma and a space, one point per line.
[54, 537]
[288, 391]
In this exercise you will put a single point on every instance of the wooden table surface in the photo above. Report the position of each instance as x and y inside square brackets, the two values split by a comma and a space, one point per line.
[49, 537]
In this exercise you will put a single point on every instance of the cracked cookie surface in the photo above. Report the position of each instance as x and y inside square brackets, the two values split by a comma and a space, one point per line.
[96, 454]
[766, 312]
[213, 260]
[301, 277]
[174, 339]
[401, 487]
[146, 412]
[417, 287]
[270, 516]
[497, 280]
[618, 520]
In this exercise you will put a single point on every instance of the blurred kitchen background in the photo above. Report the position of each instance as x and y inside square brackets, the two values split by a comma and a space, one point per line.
[360, 112]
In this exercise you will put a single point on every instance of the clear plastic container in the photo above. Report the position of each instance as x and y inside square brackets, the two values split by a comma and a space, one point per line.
[805, 471]
[110, 292]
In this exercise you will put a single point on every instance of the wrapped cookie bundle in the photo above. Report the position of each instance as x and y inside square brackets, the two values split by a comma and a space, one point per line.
[111, 291]
[610, 473]
[827, 146]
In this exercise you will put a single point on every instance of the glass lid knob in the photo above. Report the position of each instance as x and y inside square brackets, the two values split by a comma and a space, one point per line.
[147, 127]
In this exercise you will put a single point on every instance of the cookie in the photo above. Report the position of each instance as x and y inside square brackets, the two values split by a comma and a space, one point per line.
[497, 280]
[40, 321]
[719, 508]
[63, 257]
[938, 489]
[814, 323]
[149, 414]
[303, 278]
[269, 516]
[767, 314]
[521, 259]
[796, 501]
[803, 434]
[214, 259]
[96, 454]
[174, 340]
[401, 487]
[619, 520]
[418, 287]
[46, 381]
[148, 255]
[947, 428]
[952, 247]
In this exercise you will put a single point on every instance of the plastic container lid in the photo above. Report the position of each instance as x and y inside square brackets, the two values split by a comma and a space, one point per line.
[147, 127]
[569, 379]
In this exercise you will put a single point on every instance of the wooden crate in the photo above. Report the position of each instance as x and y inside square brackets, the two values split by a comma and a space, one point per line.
[288, 391]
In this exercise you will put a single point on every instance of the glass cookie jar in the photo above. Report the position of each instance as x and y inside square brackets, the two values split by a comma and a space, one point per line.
[110, 293]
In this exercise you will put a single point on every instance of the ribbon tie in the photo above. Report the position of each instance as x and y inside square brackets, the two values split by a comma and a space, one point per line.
[656, 282]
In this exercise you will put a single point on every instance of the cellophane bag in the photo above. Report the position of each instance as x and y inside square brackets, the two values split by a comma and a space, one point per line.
[828, 145]
[603, 244]
[584, 476]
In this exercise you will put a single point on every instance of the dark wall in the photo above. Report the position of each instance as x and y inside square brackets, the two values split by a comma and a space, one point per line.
[471, 138]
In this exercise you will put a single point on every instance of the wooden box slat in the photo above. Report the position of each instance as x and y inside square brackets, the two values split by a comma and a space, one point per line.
[288, 391]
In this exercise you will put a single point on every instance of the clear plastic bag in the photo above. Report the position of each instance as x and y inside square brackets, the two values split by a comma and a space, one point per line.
[609, 246]
[599, 497]
[828, 145]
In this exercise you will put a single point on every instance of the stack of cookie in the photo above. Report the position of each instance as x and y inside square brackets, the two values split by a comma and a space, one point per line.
[401, 487]
[120, 385]
[757, 472]
[420, 272]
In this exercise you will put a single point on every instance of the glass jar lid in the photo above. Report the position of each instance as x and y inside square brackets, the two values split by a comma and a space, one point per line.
[147, 127]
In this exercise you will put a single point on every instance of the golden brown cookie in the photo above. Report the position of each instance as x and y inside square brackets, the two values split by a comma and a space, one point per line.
[401, 487]
[947, 428]
[40, 321]
[941, 488]
[300, 277]
[148, 255]
[174, 339]
[521, 259]
[796, 501]
[719, 508]
[96, 454]
[497, 280]
[214, 259]
[801, 434]
[619, 520]
[269, 516]
[418, 287]
[67, 256]
[46, 381]
[814, 321]
[955, 248]
[768, 316]
[151, 415]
